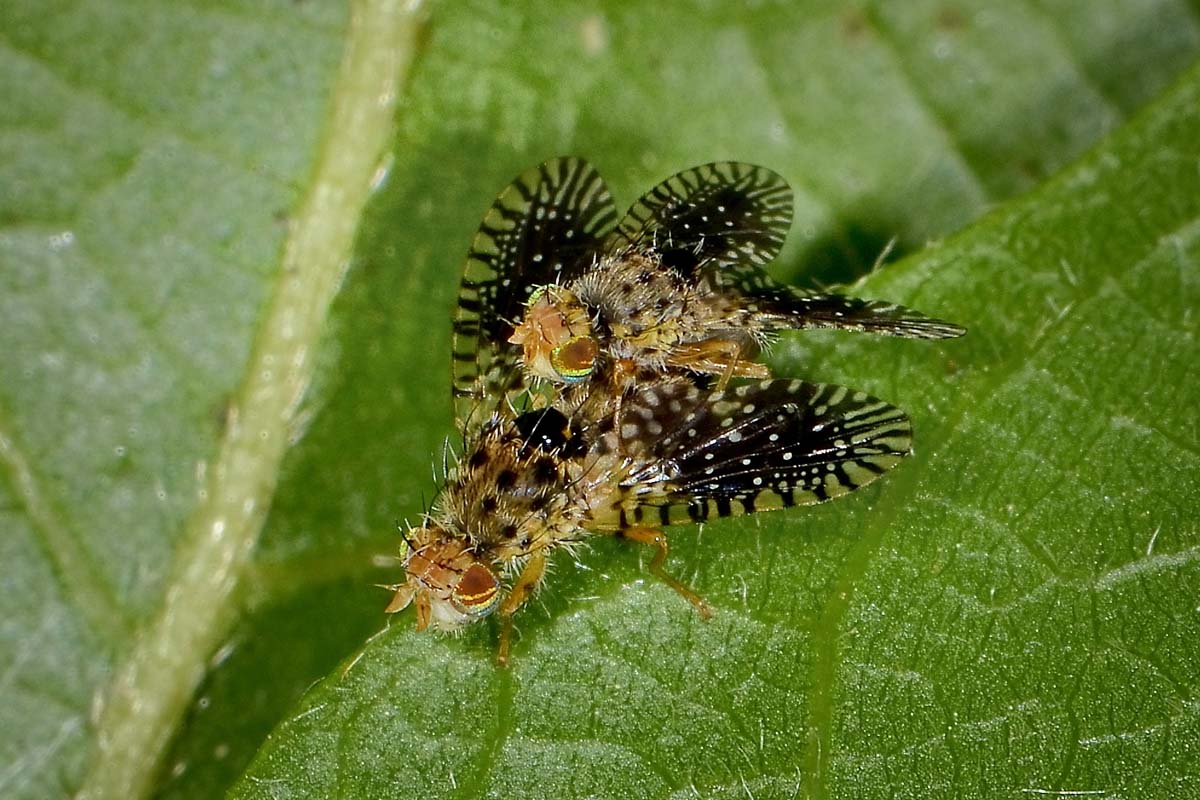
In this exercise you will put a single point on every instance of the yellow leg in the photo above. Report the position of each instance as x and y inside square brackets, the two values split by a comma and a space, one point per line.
[655, 537]
[404, 595]
[724, 358]
[527, 581]
[723, 381]
[728, 353]
[424, 611]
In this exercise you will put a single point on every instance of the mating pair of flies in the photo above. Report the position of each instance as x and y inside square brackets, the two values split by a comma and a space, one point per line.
[592, 367]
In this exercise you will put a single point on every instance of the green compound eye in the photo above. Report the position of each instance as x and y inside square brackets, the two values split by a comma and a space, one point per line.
[576, 359]
[536, 295]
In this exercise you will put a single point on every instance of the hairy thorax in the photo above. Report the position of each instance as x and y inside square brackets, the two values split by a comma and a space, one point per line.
[512, 498]
[646, 311]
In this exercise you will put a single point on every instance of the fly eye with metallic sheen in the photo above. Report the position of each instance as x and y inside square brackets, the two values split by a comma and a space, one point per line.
[576, 359]
[477, 593]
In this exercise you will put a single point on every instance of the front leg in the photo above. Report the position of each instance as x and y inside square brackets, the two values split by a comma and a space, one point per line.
[523, 588]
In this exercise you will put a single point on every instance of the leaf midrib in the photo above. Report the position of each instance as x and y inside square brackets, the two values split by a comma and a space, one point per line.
[152, 689]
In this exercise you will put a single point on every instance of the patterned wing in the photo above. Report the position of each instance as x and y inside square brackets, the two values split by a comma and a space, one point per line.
[784, 308]
[721, 223]
[769, 445]
[546, 226]
[720, 214]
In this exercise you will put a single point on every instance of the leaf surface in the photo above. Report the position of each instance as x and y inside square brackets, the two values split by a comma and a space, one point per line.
[1010, 613]
[155, 161]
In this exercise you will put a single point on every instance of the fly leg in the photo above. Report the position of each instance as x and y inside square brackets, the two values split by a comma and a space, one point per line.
[725, 358]
[524, 586]
[727, 373]
[655, 537]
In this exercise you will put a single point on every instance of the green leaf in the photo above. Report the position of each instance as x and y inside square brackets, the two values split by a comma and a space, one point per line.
[161, 173]
[158, 317]
[1014, 611]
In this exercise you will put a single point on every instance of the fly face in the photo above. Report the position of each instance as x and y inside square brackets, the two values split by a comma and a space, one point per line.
[543, 229]
[556, 337]
[450, 586]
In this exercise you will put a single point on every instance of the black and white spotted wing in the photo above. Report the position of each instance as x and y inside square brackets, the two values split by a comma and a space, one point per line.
[715, 214]
[723, 222]
[762, 446]
[546, 226]
[786, 308]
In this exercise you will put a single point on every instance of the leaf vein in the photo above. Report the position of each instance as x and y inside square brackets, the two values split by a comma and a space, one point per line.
[70, 562]
[144, 118]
